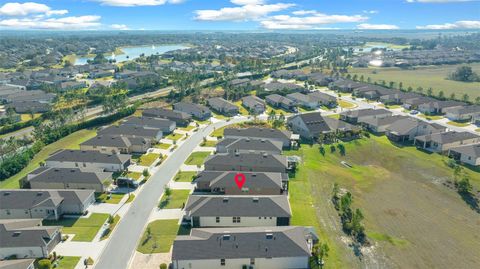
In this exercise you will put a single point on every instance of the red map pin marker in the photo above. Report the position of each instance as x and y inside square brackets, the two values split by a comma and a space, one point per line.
[240, 180]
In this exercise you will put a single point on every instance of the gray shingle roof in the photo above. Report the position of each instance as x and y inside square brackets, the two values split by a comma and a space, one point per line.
[241, 206]
[253, 180]
[24, 233]
[115, 141]
[221, 104]
[257, 145]
[149, 122]
[447, 137]
[69, 175]
[255, 132]
[166, 113]
[469, 150]
[246, 160]
[318, 124]
[404, 126]
[383, 121]
[27, 199]
[129, 130]
[366, 112]
[251, 242]
[87, 156]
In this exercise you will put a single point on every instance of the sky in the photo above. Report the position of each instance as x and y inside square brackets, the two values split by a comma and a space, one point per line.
[247, 15]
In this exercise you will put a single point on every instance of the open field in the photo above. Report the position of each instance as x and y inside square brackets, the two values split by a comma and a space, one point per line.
[197, 158]
[176, 200]
[426, 77]
[71, 141]
[400, 192]
[162, 234]
[84, 229]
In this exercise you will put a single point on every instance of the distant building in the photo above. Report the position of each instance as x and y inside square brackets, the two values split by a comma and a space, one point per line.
[407, 129]
[442, 142]
[181, 118]
[360, 115]
[148, 133]
[166, 126]
[198, 111]
[283, 102]
[222, 106]
[254, 104]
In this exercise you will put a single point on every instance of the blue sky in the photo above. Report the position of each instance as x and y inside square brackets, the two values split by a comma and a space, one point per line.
[239, 14]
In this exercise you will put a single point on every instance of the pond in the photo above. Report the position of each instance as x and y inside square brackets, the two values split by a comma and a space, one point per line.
[130, 53]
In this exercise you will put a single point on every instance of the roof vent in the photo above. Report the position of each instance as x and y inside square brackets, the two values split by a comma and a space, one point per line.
[225, 199]
[255, 199]
[226, 237]
[15, 234]
[269, 236]
[6, 193]
[265, 155]
[39, 193]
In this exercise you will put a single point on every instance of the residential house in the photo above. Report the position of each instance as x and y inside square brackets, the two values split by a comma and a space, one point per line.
[469, 154]
[26, 239]
[166, 126]
[254, 104]
[43, 204]
[285, 137]
[360, 115]
[222, 106]
[195, 110]
[414, 103]
[248, 145]
[397, 97]
[344, 85]
[407, 129]
[379, 125]
[323, 99]
[283, 247]
[283, 102]
[311, 126]
[319, 79]
[117, 144]
[69, 178]
[256, 183]
[180, 118]
[88, 160]
[72, 85]
[442, 142]
[371, 92]
[151, 134]
[439, 107]
[238, 211]
[247, 162]
[283, 87]
[304, 100]
[463, 113]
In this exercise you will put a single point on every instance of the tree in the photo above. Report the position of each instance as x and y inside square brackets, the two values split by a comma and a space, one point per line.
[464, 74]
[145, 173]
[409, 89]
[322, 150]
[441, 95]
[452, 96]
[44, 264]
[321, 251]
[477, 100]
[341, 148]
[400, 85]
[465, 97]
[430, 91]
[464, 186]
[168, 191]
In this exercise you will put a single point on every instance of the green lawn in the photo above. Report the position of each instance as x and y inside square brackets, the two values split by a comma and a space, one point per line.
[71, 141]
[115, 198]
[162, 235]
[174, 136]
[176, 200]
[428, 117]
[334, 116]
[67, 262]
[209, 143]
[163, 146]
[184, 176]
[458, 124]
[426, 77]
[219, 116]
[345, 104]
[84, 229]
[130, 198]
[111, 226]
[134, 175]
[148, 159]
[277, 111]
[241, 109]
[218, 132]
[188, 128]
[197, 158]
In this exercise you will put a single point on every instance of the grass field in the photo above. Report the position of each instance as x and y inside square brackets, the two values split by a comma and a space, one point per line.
[174, 136]
[67, 262]
[162, 234]
[176, 200]
[148, 159]
[84, 229]
[115, 198]
[197, 158]
[184, 176]
[426, 77]
[400, 192]
[209, 143]
[71, 141]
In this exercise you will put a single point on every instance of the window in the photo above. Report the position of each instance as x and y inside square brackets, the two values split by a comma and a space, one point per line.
[252, 261]
[217, 219]
[236, 219]
[222, 262]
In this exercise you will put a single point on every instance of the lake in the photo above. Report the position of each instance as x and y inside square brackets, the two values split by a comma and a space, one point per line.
[134, 52]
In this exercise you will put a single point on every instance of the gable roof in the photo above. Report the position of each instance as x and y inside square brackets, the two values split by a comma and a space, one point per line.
[246, 160]
[130, 130]
[221, 104]
[27, 199]
[69, 175]
[257, 145]
[255, 132]
[87, 156]
[253, 180]
[383, 121]
[366, 112]
[238, 205]
[317, 124]
[231, 243]
[468, 150]
[404, 126]
[115, 141]
[447, 137]
[166, 113]
[24, 233]
[148, 122]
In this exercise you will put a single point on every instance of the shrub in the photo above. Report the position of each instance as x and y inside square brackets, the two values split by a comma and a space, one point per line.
[44, 264]
[163, 266]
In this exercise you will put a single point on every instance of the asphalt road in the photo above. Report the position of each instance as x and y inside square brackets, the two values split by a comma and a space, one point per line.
[122, 244]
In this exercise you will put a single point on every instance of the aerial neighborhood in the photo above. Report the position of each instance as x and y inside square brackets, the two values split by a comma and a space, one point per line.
[144, 149]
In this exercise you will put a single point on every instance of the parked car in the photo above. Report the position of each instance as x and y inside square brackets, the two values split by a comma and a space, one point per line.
[127, 182]
[414, 112]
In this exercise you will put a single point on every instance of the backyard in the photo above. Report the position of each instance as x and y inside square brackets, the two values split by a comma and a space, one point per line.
[426, 77]
[85, 229]
[71, 141]
[401, 194]
[197, 158]
[159, 236]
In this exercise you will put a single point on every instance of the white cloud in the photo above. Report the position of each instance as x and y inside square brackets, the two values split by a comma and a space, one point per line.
[315, 21]
[455, 25]
[248, 10]
[70, 23]
[119, 27]
[370, 11]
[27, 8]
[368, 26]
[134, 3]
[439, 1]
[304, 12]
